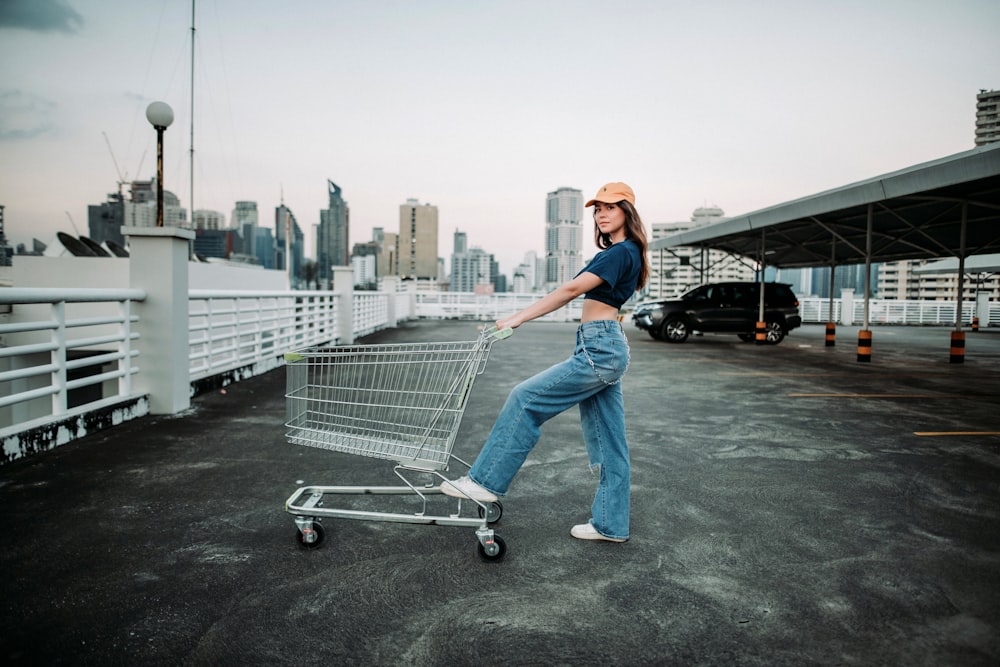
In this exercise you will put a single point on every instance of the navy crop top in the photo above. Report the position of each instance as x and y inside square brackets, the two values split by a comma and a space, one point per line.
[618, 267]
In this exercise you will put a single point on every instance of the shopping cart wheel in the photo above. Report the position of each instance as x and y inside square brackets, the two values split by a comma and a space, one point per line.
[310, 538]
[492, 513]
[495, 551]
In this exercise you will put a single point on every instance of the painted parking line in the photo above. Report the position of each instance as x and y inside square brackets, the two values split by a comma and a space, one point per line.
[774, 374]
[877, 396]
[944, 433]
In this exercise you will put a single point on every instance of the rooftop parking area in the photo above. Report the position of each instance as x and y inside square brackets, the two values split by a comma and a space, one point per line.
[790, 506]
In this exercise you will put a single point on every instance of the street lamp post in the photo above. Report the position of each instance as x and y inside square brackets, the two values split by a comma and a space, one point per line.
[160, 116]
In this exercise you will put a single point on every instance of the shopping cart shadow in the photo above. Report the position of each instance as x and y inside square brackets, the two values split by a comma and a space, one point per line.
[396, 402]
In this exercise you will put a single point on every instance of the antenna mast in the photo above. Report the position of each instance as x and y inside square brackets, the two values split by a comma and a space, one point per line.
[192, 116]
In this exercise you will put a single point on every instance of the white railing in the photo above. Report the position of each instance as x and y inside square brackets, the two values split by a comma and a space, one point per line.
[231, 329]
[371, 312]
[485, 307]
[818, 310]
[64, 352]
[894, 311]
[69, 352]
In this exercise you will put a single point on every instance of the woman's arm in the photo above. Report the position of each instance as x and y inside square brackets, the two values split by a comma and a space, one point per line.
[554, 300]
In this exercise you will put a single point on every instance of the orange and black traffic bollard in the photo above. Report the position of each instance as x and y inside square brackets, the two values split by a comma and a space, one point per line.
[975, 324]
[831, 334]
[864, 345]
[760, 333]
[957, 347]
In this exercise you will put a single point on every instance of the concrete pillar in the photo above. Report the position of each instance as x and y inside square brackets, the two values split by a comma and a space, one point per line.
[390, 286]
[983, 308]
[158, 264]
[847, 306]
[343, 284]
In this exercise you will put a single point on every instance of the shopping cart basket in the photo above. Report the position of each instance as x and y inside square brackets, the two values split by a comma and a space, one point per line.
[399, 402]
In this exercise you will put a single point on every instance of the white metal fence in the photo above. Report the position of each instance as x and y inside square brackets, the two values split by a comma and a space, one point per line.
[486, 307]
[892, 311]
[64, 352]
[235, 329]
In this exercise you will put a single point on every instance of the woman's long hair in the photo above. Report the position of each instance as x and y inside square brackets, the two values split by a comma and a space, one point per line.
[635, 231]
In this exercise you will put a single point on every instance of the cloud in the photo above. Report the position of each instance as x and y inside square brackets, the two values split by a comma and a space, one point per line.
[39, 15]
[23, 115]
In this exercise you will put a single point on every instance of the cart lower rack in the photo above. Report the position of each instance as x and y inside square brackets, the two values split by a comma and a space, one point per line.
[399, 402]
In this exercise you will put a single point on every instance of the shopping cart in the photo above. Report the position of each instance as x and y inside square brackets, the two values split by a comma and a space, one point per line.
[400, 402]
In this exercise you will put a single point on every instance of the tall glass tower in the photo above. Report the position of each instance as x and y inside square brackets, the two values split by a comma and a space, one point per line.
[563, 235]
[332, 241]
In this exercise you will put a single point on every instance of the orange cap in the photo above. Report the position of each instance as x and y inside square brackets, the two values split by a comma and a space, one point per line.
[612, 193]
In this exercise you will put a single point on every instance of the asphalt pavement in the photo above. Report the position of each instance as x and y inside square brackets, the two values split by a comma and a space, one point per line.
[791, 506]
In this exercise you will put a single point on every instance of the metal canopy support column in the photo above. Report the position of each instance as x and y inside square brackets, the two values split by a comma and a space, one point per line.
[760, 331]
[763, 244]
[961, 267]
[865, 334]
[868, 261]
[831, 326]
[957, 355]
[833, 274]
[659, 289]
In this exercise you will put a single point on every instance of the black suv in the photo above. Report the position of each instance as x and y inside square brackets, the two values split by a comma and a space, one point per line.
[721, 308]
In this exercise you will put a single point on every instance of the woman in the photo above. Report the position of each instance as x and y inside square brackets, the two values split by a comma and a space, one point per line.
[590, 378]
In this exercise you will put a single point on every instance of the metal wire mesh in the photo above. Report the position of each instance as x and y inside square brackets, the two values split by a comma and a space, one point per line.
[401, 402]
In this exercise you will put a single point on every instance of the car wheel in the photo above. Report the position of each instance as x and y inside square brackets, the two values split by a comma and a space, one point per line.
[775, 333]
[675, 330]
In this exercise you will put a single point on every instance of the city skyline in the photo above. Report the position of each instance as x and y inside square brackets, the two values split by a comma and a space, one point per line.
[480, 109]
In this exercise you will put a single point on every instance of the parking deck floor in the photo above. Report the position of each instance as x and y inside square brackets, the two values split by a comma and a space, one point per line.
[791, 506]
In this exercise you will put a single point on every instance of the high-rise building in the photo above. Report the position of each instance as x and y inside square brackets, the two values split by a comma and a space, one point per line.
[385, 263]
[245, 222]
[472, 269]
[673, 271]
[987, 117]
[563, 235]
[6, 252]
[900, 280]
[286, 227]
[105, 221]
[417, 255]
[332, 237]
[206, 219]
[140, 211]
[528, 274]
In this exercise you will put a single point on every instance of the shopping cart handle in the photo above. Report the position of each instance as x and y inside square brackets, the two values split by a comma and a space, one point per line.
[497, 334]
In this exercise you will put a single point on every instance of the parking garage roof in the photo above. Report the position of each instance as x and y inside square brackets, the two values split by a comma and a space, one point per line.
[916, 213]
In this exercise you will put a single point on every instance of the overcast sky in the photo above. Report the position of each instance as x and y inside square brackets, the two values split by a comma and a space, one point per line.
[480, 108]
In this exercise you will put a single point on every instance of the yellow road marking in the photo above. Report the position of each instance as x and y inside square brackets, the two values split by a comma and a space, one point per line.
[956, 433]
[876, 396]
[766, 374]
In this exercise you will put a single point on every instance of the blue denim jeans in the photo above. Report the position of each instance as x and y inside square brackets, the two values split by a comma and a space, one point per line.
[591, 378]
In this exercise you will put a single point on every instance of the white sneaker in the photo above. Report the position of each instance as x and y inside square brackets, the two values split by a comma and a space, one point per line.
[586, 531]
[463, 487]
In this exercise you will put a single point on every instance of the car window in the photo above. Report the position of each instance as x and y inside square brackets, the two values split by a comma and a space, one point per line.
[699, 294]
[742, 296]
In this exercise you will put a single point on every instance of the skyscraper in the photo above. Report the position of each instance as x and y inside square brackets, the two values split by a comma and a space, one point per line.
[472, 269]
[285, 226]
[563, 235]
[673, 271]
[418, 240]
[987, 117]
[245, 222]
[105, 221]
[332, 238]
